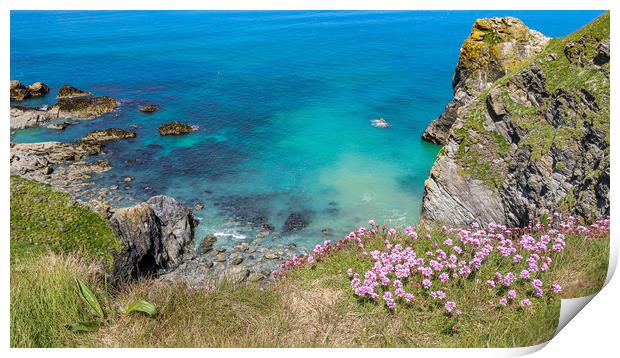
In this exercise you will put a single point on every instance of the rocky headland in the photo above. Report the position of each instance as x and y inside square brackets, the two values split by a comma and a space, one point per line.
[495, 47]
[534, 139]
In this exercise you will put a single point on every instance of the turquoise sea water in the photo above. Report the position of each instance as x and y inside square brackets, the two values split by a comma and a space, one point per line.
[283, 101]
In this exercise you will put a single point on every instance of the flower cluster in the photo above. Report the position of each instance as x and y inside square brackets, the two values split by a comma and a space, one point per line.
[432, 275]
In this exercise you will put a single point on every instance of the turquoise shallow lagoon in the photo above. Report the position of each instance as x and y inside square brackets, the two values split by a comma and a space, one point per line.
[283, 101]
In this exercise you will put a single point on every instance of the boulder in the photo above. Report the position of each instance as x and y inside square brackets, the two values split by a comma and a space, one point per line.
[206, 244]
[20, 92]
[175, 128]
[38, 89]
[157, 235]
[67, 91]
[236, 274]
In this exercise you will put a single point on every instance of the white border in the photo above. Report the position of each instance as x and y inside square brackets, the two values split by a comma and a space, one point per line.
[594, 330]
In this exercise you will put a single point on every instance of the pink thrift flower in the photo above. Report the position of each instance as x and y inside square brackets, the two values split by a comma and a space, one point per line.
[512, 294]
[525, 274]
[310, 259]
[427, 283]
[556, 288]
[449, 306]
[525, 302]
[503, 301]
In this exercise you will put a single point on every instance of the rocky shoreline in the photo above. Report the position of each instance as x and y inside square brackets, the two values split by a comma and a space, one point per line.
[158, 234]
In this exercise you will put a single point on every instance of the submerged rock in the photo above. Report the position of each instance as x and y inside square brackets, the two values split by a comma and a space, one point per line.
[175, 128]
[295, 221]
[67, 91]
[157, 234]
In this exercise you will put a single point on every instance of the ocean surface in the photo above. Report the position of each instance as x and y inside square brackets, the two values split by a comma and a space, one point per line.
[283, 102]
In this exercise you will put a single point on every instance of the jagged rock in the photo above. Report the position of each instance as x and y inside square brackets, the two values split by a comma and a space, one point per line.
[175, 128]
[295, 221]
[149, 108]
[536, 143]
[157, 234]
[67, 91]
[108, 135]
[494, 47]
[206, 244]
[20, 92]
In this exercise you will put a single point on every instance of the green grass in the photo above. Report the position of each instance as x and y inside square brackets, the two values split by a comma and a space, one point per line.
[43, 220]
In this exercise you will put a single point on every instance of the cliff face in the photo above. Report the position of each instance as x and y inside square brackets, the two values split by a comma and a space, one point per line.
[535, 142]
[495, 47]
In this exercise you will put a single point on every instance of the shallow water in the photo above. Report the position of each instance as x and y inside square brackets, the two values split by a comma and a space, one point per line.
[283, 101]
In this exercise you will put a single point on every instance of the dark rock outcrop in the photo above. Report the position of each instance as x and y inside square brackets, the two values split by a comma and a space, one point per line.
[20, 92]
[175, 128]
[67, 91]
[494, 47]
[535, 143]
[157, 235]
[149, 108]
[108, 135]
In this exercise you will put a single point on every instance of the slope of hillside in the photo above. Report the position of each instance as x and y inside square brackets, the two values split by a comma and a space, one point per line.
[536, 142]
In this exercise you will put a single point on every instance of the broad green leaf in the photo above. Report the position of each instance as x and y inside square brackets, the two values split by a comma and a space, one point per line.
[87, 326]
[141, 306]
[89, 297]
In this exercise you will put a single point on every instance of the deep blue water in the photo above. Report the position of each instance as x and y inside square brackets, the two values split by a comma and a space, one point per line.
[283, 101]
